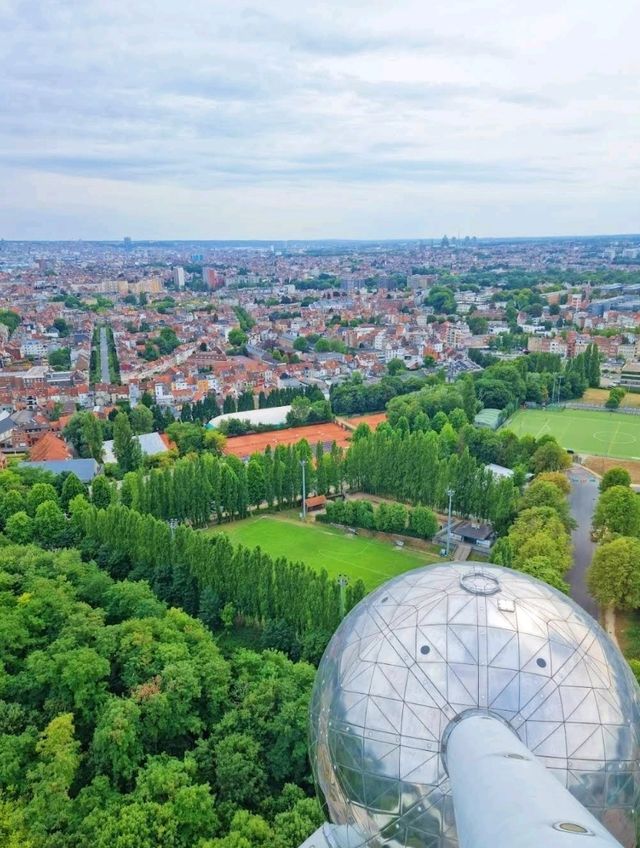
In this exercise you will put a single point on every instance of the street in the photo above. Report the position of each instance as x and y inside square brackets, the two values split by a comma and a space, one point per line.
[104, 356]
[582, 502]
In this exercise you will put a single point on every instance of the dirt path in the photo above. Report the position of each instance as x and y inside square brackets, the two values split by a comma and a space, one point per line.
[609, 624]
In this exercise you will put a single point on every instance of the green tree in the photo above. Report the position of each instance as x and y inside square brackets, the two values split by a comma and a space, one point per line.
[237, 338]
[9, 319]
[19, 528]
[478, 325]
[423, 522]
[545, 493]
[543, 568]
[188, 437]
[616, 396]
[395, 366]
[618, 511]
[39, 493]
[214, 441]
[540, 532]
[49, 524]
[60, 359]
[240, 777]
[125, 446]
[58, 760]
[84, 432]
[141, 419]
[117, 748]
[62, 327]
[615, 477]
[101, 492]
[11, 502]
[557, 478]
[550, 457]
[614, 576]
[71, 487]
[256, 482]
[228, 615]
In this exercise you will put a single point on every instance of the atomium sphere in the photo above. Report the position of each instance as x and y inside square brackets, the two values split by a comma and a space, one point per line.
[445, 640]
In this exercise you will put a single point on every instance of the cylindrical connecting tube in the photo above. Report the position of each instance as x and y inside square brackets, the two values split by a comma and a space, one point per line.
[504, 797]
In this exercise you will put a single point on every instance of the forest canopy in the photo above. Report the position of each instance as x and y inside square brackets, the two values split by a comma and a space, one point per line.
[122, 724]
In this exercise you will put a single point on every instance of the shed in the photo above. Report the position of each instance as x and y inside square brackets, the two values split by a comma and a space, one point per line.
[317, 502]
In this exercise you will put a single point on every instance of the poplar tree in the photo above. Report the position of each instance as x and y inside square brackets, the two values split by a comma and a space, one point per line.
[125, 446]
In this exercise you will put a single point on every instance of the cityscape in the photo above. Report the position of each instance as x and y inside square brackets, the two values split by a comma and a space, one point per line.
[208, 425]
[319, 425]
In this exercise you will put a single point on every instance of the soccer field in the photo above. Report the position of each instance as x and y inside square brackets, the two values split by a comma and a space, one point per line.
[583, 431]
[322, 546]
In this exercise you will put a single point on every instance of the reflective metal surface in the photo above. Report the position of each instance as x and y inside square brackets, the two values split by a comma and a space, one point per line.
[439, 641]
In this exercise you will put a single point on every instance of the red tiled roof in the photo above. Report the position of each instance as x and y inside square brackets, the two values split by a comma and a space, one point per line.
[49, 447]
[170, 445]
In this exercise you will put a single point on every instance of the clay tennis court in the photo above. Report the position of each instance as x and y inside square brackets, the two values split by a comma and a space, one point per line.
[244, 446]
[372, 420]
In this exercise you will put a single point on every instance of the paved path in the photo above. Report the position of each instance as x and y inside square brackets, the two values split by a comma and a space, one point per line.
[582, 501]
[104, 356]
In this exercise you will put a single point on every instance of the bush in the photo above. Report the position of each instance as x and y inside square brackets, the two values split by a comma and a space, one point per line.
[387, 518]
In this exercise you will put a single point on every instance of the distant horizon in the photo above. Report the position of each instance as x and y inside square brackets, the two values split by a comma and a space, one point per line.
[324, 240]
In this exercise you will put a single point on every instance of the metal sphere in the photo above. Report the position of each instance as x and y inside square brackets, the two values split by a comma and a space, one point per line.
[438, 642]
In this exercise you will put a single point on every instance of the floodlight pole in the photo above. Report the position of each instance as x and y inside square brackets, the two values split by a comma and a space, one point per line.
[303, 463]
[343, 582]
[450, 493]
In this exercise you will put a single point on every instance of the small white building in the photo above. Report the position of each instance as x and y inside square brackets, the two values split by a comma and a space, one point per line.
[272, 416]
[150, 445]
[499, 471]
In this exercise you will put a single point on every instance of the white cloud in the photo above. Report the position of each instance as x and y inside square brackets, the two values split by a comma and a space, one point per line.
[207, 119]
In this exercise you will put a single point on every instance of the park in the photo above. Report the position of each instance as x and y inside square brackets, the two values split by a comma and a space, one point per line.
[614, 434]
[321, 546]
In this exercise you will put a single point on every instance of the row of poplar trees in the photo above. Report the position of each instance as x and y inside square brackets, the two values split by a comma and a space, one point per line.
[193, 570]
[418, 468]
[197, 489]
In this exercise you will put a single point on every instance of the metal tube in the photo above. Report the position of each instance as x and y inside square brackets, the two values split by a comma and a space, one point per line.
[504, 796]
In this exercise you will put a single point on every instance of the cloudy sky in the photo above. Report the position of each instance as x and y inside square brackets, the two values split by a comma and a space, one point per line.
[289, 119]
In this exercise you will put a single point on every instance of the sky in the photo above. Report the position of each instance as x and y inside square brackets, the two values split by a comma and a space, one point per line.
[220, 120]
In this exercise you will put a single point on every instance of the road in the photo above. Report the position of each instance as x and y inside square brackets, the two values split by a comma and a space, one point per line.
[104, 356]
[582, 501]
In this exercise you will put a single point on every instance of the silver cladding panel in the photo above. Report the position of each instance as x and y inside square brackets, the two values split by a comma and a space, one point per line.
[441, 640]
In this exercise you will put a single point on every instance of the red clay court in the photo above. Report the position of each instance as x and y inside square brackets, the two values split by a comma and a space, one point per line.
[372, 420]
[244, 446]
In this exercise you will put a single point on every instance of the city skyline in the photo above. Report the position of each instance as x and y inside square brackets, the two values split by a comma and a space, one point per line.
[353, 121]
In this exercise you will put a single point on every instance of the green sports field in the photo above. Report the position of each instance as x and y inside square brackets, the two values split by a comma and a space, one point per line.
[583, 431]
[322, 546]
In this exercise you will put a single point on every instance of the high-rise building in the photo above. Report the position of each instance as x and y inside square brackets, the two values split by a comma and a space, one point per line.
[212, 278]
[178, 277]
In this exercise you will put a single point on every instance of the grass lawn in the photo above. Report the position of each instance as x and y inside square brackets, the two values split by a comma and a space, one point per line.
[583, 431]
[322, 546]
[599, 397]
